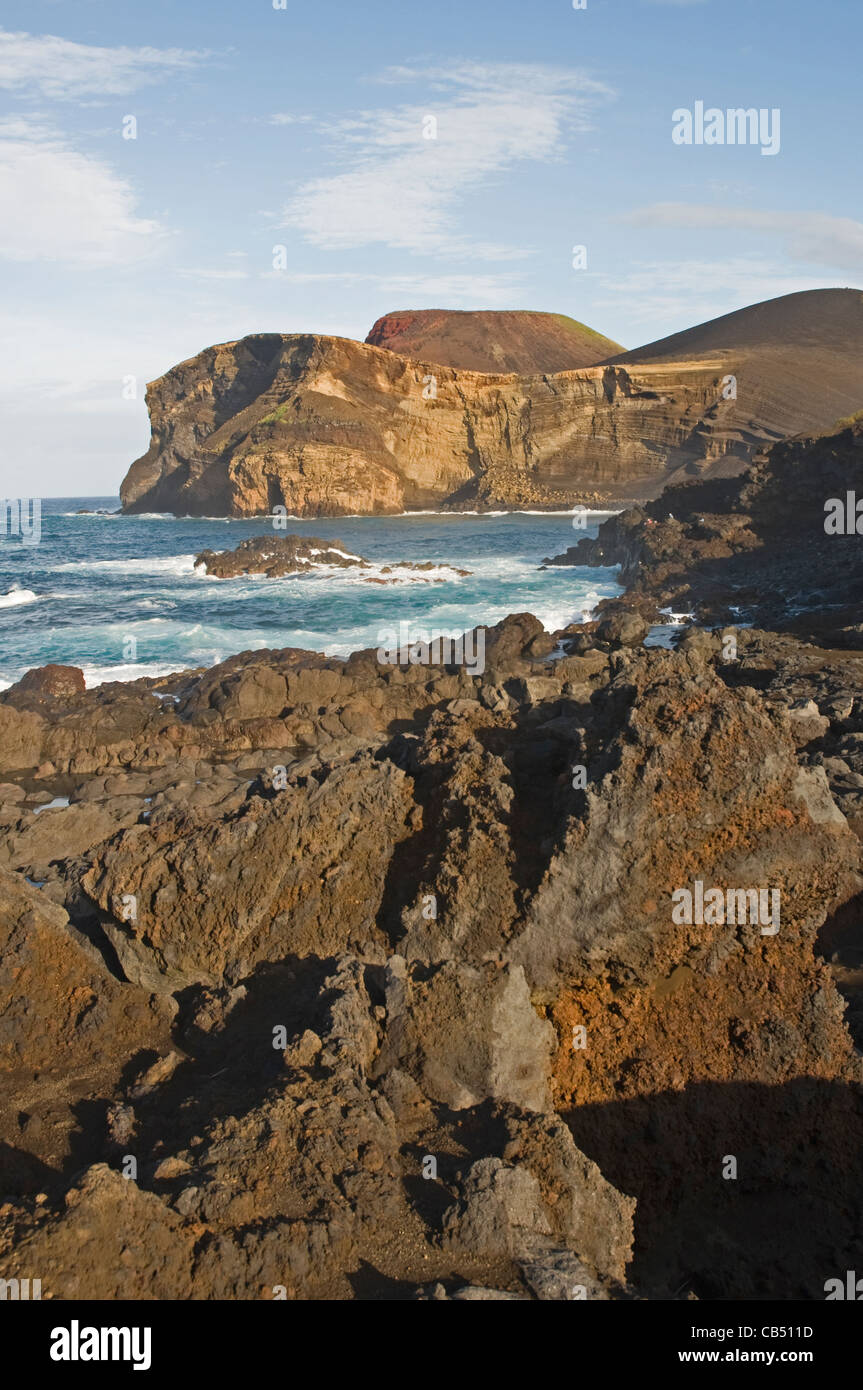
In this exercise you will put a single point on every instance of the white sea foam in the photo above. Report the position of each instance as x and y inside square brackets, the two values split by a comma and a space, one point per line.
[336, 576]
[134, 671]
[333, 550]
[17, 596]
[121, 516]
[151, 564]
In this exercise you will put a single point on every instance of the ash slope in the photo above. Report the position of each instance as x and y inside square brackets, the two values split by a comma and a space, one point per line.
[313, 939]
[327, 427]
[795, 359]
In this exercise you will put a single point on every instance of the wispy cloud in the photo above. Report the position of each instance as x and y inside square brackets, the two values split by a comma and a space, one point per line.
[692, 291]
[203, 273]
[59, 68]
[408, 168]
[816, 238]
[57, 204]
[419, 291]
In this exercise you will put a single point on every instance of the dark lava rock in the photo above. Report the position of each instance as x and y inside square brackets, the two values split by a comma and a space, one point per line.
[751, 549]
[56, 682]
[622, 630]
[277, 555]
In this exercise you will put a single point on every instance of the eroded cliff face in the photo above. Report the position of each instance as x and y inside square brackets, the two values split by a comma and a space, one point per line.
[328, 427]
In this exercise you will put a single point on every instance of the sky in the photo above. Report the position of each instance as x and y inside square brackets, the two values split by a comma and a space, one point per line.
[178, 174]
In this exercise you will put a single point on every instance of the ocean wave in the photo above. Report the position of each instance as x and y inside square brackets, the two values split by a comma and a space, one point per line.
[240, 586]
[122, 516]
[155, 564]
[133, 670]
[16, 596]
[399, 574]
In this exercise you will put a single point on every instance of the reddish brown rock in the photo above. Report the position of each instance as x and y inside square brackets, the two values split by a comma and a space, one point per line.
[492, 340]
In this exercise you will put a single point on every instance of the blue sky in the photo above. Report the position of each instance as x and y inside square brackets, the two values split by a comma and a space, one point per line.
[303, 128]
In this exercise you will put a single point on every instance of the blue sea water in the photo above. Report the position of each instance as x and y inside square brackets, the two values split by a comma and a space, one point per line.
[120, 597]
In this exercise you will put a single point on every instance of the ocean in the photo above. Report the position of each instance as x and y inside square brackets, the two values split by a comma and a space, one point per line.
[120, 596]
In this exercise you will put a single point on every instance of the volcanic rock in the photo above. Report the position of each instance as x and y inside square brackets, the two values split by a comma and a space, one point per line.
[748, 549]
[279, 555]
[380, 996]
[55, 682]
[276, 555]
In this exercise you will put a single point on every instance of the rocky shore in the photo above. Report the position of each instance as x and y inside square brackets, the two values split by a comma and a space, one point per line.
[777, 546]
[329, 978]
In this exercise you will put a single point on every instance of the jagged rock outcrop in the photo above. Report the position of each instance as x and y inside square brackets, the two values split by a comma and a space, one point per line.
[325, 426]
[360, 956]
[777, 546]
[278, 555]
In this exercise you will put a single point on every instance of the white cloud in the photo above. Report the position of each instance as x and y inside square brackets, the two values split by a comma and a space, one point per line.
[816, 238]
[419, 291]
[403, 189]
[688, 292]
[206, 274]
[444, 291]
[57, 204]
[59, 68]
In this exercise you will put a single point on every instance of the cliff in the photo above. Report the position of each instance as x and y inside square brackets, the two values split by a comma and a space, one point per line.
[328, 426]
[763, 548]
